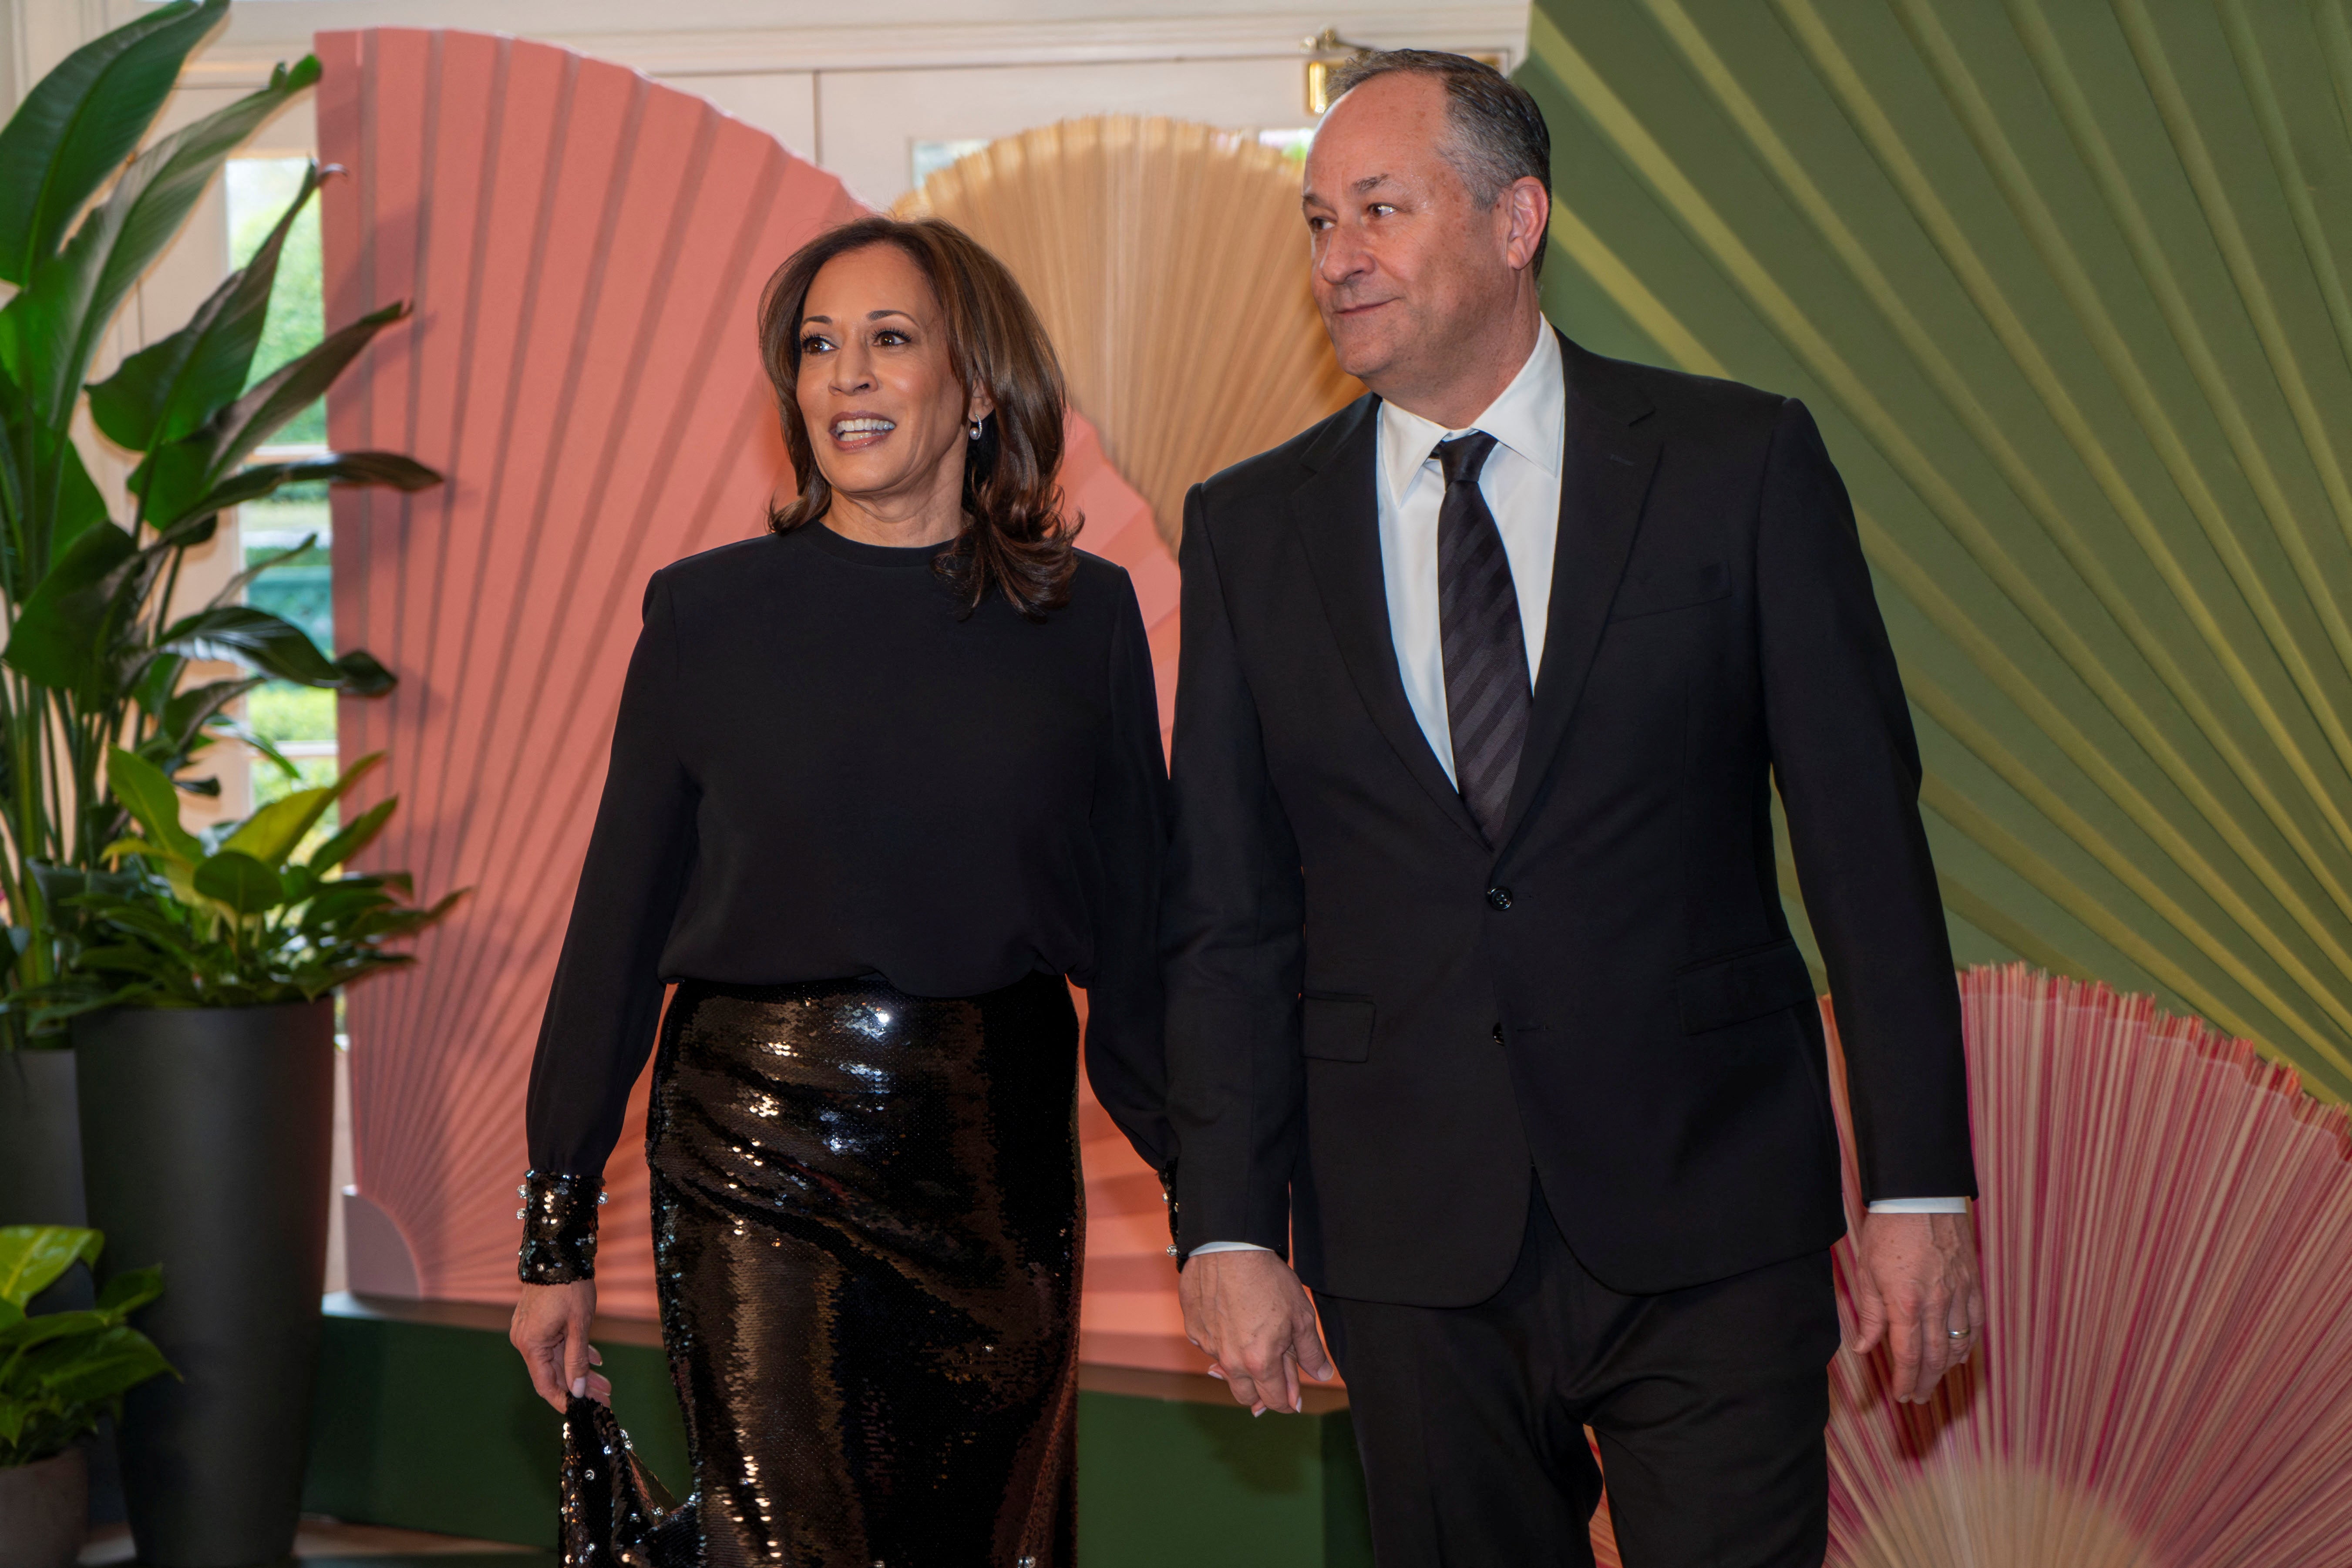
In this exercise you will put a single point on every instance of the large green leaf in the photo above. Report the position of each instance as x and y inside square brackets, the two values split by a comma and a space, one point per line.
[146, 792]
[240, 881]
[252, 483]
[270, 834]
[59, 634]
[61, 883]
[80, 121]
[131, 1289]
[113, 1363]
[16, 427]
[233, 591]
[186, 712]
[158, 682]
[340, 468]
[356, 772]
[243, 632]
[181, 478]
[47, 496]
[171, 387]
[343, 901]
[49, 330]
[32, 1257]
[20, 1338]
[363, 675]
[357, 837]
[80, 507]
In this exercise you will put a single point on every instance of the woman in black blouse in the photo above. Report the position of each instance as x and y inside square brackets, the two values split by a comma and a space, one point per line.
[881, 779]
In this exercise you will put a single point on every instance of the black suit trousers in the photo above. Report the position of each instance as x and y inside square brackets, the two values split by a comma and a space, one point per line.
[1709, 1404]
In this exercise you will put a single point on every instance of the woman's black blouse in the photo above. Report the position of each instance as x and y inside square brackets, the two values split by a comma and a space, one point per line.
[823, 769]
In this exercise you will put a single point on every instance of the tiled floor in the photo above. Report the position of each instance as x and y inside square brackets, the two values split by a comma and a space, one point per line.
[321, 1540]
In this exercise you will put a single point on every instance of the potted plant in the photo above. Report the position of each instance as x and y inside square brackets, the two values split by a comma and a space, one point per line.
[99, 645]
[199, 980]
[59, 1373]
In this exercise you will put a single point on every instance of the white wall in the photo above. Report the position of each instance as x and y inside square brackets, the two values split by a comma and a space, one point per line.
[855, 98]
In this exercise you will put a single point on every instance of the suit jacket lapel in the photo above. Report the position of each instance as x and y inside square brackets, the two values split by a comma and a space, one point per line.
[1604, 476]
[1336, 514]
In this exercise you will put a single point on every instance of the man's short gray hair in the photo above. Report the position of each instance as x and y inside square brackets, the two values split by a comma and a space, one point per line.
[1499, 134]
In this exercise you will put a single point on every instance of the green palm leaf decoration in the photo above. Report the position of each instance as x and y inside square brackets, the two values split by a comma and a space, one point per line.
[2066, 285]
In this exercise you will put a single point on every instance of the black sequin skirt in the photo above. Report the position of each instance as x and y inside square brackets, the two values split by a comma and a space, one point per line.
[867, 1226]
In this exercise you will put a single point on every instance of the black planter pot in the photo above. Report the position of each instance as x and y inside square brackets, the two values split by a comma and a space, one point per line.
[40, 1140]
[207, 1135]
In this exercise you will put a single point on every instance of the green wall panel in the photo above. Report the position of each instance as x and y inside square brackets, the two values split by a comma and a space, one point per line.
[2064, 285]
[425, 1420]
[1169, 1481]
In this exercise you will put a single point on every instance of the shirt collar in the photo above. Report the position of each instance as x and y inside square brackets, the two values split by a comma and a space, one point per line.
[1530, 418]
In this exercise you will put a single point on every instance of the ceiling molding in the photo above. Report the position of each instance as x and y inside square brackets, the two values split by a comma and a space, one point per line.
[262, 34]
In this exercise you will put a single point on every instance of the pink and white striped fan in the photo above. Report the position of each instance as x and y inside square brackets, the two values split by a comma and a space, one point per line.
[2167, 1375]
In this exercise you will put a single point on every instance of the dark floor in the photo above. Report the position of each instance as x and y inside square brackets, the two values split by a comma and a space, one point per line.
[322, 1542]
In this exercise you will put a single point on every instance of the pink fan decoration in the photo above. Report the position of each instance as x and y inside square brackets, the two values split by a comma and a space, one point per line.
[585, 250]
[2167, 1376]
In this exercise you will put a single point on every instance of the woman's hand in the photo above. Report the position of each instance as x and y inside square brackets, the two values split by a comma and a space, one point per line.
[551, 1329]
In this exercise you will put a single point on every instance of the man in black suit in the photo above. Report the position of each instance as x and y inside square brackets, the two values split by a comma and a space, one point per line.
[1481, 994]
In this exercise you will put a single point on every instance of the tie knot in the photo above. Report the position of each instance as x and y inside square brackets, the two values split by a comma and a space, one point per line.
[1464, 457]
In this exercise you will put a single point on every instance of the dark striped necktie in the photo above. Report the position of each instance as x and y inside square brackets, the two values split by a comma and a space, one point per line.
[1487, 687]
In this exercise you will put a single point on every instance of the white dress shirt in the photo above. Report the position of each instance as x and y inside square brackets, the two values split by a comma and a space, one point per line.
[1521, 484]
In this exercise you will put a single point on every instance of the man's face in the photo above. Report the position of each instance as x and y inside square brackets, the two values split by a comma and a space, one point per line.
[1405, 261]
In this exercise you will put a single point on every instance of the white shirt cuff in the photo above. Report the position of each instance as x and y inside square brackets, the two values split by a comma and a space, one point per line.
[1229, 1247]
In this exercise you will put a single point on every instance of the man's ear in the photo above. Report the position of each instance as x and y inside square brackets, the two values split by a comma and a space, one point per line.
[1530, 218]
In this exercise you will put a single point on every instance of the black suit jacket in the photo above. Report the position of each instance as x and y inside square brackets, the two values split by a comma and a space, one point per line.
[1378, 1023]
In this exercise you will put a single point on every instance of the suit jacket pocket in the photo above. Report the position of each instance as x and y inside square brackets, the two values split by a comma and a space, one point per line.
[1669, 588]
[1746, 986]
[1338, 1028]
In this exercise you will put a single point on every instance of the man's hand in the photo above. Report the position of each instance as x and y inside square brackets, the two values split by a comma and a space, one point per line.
[1916, 1284]
[1251, 1314]
[551, 1329]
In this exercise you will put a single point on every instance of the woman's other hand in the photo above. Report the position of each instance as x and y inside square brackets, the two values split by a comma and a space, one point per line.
[551, 1329]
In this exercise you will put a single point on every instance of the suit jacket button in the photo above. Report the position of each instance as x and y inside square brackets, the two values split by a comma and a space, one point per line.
[1499, 897]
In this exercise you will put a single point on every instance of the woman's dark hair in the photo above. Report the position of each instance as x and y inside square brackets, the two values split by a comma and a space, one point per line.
[1018, 541]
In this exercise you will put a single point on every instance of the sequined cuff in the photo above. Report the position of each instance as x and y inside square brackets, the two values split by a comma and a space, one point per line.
[559, 1227]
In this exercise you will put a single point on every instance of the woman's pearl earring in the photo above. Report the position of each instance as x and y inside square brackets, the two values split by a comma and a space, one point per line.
[975, 430]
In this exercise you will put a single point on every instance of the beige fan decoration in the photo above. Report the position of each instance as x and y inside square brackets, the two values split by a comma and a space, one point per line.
[1169, 265]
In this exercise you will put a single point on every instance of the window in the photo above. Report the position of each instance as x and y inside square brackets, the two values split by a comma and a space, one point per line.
[299, 720]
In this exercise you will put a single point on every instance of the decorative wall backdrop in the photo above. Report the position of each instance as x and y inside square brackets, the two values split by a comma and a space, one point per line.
[1170, 264]
[2066, 284]
[2167, 1231]
[584, 248]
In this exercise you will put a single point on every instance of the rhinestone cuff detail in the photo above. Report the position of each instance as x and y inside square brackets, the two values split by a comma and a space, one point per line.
[559, 1227]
